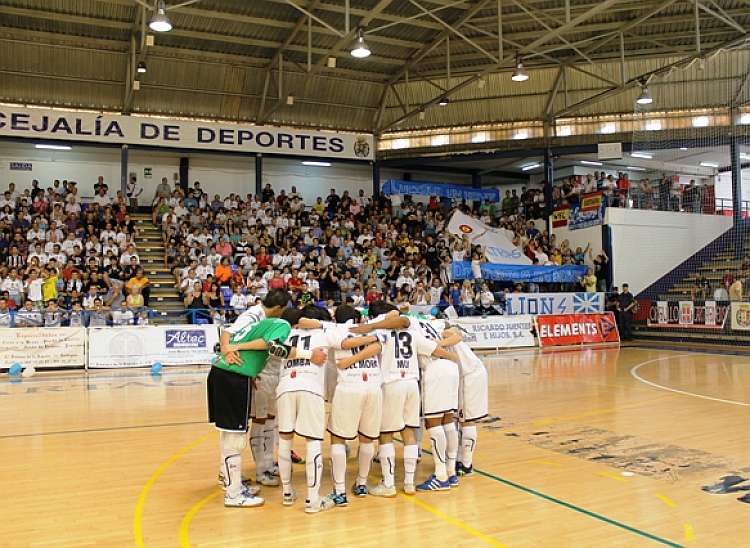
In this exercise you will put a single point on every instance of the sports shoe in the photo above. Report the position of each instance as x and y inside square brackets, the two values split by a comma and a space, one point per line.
[359, 490]
[246, 483]
[434, 484]
[288, 499]
[462, 470]
[267, 479]
[296, 459]
[380, 490]
[321, 505]
[453, 481]
[339, 499]
[243, 500]
[409, 489]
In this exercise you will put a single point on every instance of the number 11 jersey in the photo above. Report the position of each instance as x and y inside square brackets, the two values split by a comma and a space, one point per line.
[301, 374]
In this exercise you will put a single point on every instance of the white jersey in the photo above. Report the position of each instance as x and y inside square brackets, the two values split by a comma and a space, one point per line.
[301, 375]
[433, 331]
[467, 360]
[362, 373]
[246, 320]
[401, 348]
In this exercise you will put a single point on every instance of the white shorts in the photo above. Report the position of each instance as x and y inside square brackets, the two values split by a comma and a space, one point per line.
[472, 401]
[263, 404]
[400, 406]
[331, 377]
[440, 382]
[301, 413]
[356, 410]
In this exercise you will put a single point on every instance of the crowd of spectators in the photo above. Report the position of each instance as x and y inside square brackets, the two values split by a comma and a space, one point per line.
[226, 253]
[64, 261]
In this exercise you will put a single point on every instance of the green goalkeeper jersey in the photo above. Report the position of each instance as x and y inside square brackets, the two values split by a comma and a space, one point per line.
[253, 361]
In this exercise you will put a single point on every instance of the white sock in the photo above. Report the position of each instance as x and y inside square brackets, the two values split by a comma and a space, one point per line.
[285, 465]
[387, 456]
[233, 474]
[411, 452]
[269, 443]
[439, 443]
[469, 444]
[451, 451]
[366, 452]
[256, 447]
[314, 469]
[338, 467]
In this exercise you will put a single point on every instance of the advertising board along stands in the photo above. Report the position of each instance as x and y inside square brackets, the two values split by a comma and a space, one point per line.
[576, 329]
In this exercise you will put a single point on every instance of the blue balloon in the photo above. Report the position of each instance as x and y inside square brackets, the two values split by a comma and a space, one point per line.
[156, 368]
[15, 369]
[435, 311]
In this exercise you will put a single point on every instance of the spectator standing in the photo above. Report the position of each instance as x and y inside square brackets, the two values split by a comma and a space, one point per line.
[627, 305]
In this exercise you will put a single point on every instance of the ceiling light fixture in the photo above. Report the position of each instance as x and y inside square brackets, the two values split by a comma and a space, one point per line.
[683, 148]
[443, 101]
[530, 167]
[633, 168]
[360, 49]
[141, 68]
[160, 22]
[590, 163]
[645, 97]
[643, 155]
[519, 75]
[318, 164]
[53, 147]
[709, 164]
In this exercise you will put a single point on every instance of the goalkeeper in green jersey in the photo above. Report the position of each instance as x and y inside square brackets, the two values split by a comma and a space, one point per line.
[229, 386]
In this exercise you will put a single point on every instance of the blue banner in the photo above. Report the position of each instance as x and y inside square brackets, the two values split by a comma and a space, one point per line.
[553, 303]
[521, 273]
[441, 190]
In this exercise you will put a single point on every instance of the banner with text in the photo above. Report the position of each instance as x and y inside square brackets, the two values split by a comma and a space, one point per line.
[497, 246]
[741, 316]
[571, 329]
[688, 314]
[40, 124]
[498, 331]
[43, 347]
[569, 273]
[114, 347]
[553, 303]
[441, 190]
[589, 211]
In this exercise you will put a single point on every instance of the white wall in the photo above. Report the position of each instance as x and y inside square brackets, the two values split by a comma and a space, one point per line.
[223, 175]
[648, 244]
[582, 237]
[723, 185]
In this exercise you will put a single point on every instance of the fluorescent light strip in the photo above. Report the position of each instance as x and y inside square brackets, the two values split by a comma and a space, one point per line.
[530, 167]
[744, 156]
[632, 168]
[53, 147]
[590, 163]
[319, 164]
[643, 155]
[709, 164]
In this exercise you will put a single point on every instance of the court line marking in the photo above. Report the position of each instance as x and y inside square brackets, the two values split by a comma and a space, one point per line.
[141, 502]
[578, 509]
[634, 374]
[88, 377]
[188, 517]
[453, 521]
[111, 429]
[610, 475]
[689, 534]
[666, 500]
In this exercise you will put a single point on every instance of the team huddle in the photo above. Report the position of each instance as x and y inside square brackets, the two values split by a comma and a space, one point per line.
[279, 365]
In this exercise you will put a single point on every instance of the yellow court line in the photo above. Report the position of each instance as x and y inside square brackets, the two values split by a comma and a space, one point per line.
[139, 505]
[689, 533]
[666, 500]
[188, 517]
[455, 522]
[611, 476]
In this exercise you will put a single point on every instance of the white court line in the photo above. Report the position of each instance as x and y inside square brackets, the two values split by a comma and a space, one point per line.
[634, 374]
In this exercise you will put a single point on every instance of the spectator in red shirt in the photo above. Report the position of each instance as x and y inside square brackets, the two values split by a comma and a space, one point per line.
[263, 260]
[277, 282]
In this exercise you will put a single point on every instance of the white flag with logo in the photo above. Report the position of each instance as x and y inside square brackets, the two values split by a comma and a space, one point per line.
[497, 246]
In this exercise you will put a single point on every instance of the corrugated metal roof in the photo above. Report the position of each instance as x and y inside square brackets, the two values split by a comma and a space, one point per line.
[215, 61]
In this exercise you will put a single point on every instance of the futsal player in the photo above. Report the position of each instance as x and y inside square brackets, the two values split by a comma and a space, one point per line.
[301, 408]
[229, 386]
[401, 345]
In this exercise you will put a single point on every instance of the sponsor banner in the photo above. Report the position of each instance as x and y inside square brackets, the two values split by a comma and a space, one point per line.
[553, 303]
[741, 316]
[39, 123]
[498, 331]
[560, 218]
[20, 166]
[588, 212]
[571, 329]
[113, 347]
[498, 248]
[441, 190]
[43, 347]
[688, 314]
[520, 273]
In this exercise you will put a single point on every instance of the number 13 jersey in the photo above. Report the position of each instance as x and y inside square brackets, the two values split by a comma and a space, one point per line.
[401, 348]
[301, 374]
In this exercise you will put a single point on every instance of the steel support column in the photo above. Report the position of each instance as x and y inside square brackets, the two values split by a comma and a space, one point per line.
[124, 169]
[549, 178]
[258, 174]
[184, 176]
[736, 163]
[375, 180]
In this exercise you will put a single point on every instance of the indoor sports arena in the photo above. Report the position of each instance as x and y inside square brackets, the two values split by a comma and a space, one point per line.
[375, 272]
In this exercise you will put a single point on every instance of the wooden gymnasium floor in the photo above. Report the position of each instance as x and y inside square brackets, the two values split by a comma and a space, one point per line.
[593, 448]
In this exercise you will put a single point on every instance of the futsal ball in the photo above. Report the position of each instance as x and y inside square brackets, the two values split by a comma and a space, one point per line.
[156, 368]
[28, 372]
[15, 369]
